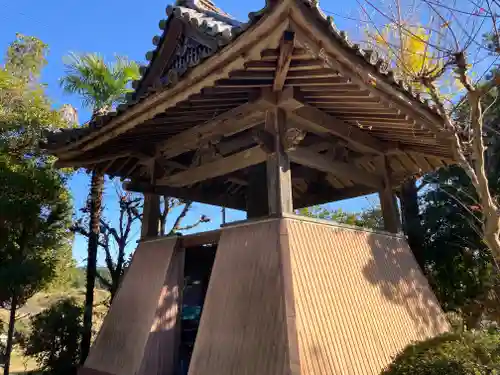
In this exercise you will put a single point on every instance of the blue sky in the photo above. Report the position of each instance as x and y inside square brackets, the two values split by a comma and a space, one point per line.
[126, 28]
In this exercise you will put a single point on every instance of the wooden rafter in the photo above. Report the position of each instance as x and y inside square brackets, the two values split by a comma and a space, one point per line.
[284, 60]
[62, 163]
[313, 160]
[231, 122]
[317, 121]
[335, 56]
[216, 168]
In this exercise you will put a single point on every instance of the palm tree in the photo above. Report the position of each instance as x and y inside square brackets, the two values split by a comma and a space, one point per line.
[101, 87]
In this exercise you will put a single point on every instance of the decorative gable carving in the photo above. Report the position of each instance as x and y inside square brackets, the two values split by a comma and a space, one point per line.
[189, 52]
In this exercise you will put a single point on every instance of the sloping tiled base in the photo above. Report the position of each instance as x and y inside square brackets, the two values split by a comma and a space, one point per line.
[295, 296]
[289, 296]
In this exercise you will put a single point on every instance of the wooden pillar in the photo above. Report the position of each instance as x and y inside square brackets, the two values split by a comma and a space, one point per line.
[151, 216]
[257, 192]
[390, 212]
[279, 179]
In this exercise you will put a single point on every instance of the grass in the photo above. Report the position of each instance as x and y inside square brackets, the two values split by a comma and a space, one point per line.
[20, 364]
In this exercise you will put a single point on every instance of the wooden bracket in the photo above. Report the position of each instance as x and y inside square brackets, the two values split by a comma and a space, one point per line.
[265, 140]
[292, 137]
[284, 60]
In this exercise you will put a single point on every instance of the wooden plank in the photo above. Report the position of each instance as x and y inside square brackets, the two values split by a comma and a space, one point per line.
[334, 92]
[216, 168]
[256, 75]
[316, 81]
[344, 87]
[374, 117]
[63, 163]
[230, 122]
[238, 83]
[320, 122]
[295, 65]
[327, 195]
[199, 239]
[313, 160]
[312, 73]
[279, 180]
[361, 99]
[219, 98]
[284, 60]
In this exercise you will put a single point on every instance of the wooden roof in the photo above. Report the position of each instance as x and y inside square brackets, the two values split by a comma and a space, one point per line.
[192, 125]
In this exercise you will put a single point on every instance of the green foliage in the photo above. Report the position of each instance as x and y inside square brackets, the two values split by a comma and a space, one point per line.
[455, 259]
[99, 84]
[369, 218]
[35, 214]
[468, 353]
[25, 111]
[26, 57]
[55, 338]
[67, 274]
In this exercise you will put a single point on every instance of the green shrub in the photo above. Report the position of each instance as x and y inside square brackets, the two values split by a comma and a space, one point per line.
[55, 337]
[468, 353]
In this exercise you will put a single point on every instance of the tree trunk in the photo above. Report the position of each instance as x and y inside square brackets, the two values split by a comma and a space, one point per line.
[10, 335]
[96, 188]
[477, 173]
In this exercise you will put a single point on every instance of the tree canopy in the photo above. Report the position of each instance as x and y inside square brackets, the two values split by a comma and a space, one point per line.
[100, 85]
[25, 110]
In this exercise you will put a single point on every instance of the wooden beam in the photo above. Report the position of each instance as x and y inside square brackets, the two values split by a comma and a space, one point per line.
[320, 122]
[224, 148]
[279, 180]
[191, 194]
[200, 239]
[216, 168]
[66, 163]
[231, 122]
[313, 160]
[284, 60]
[390, 212]
[327, 195]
